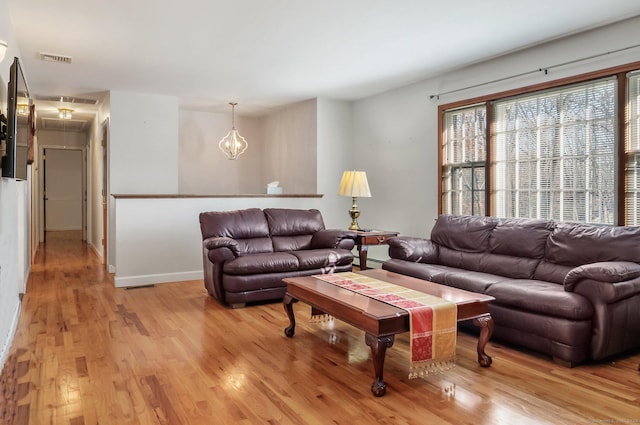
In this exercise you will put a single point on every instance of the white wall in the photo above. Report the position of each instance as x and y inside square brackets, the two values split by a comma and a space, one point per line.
[290, 136]
[396, 133]
[143, 143]
[335, 154]
[14, 214]
[62, 139]
[95, 187]
[159, 240]
[204, 169]
[142, 150]
[282, 147]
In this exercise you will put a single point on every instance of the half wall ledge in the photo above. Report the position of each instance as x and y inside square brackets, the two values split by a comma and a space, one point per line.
[156, 238]
[176, 196]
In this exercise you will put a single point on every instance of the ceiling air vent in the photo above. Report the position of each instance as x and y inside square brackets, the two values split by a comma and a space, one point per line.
[52, 57]
[67, 99]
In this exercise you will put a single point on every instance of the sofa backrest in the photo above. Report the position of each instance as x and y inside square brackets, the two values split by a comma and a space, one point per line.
[529, 248]
[292, 229]
[508, 247]
[575, 244]
[248, 227]
[516, 246]
[462, 240]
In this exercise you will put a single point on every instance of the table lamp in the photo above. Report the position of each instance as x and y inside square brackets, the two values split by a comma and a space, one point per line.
[354, 184]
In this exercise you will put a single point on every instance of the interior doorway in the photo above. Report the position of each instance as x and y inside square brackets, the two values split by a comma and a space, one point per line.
[64, 207]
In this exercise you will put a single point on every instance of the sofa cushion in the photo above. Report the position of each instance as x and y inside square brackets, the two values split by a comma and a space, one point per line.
[463, 233]
[249, 228]
[292, 222]
[291, 243]
[333, 238]
[574, 244]
[508, 266]
[508, 236]
[239, 224]
[272, 262]
[460, 259]
[551, 272]
[418, 270]
[465, 279]
[445, 275]
[541, 297]
[322, 258]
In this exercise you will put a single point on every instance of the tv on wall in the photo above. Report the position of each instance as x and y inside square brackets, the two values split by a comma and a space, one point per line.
[16, 158]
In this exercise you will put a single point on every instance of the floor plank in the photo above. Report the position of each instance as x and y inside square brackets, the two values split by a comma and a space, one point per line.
[86, 352]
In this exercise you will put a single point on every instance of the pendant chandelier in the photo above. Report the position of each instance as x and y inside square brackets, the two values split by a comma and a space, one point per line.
[233, 144]
[65, 113]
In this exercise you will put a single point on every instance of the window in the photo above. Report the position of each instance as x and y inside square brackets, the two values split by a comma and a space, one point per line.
[555, 156]
[554, 151]
[464, 154]
[632, 168]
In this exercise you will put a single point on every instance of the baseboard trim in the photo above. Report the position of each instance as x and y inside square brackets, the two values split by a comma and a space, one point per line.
[96, 251]
[151, 279]
[6, 344]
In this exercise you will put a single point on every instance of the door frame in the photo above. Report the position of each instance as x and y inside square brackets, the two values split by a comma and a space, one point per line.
[104, 143]
[42, 188]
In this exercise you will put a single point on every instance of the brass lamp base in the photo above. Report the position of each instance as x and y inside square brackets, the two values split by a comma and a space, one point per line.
[354, 212]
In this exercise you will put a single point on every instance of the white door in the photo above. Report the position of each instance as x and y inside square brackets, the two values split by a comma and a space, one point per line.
[63, 189]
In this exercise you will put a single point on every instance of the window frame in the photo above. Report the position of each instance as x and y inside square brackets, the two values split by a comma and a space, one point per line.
[617, 72]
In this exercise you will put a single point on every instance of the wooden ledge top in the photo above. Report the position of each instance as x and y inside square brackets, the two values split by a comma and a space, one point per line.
[177, 196]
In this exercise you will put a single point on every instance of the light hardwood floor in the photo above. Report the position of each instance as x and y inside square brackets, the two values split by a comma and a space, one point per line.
[88, 353]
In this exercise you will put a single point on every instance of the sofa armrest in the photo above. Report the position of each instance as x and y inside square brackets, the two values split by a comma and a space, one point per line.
[333, 238]
[221, 249]
[416, 250]
[613, 288]
[609, 280]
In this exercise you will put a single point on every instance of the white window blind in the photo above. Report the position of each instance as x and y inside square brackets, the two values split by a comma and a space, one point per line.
[632, 147]
[464, 156]
[554, 154]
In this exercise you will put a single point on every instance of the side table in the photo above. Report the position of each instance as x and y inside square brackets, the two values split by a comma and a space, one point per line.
[372, 237]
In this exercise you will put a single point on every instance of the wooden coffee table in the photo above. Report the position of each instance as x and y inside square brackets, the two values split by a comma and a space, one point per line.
[381, 321]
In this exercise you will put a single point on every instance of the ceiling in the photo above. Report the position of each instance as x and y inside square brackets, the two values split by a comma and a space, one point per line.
[264, 54]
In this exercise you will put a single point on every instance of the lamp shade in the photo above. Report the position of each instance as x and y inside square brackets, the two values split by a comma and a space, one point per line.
[354, 184]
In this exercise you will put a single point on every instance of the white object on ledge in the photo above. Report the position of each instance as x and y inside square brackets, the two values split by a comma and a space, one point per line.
[273, 188]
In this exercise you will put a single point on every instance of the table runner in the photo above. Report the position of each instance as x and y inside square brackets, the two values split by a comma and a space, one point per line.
[432, 320]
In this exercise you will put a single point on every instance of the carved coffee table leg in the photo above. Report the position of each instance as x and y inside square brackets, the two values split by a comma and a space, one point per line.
[486, 329]
[287, 302]
[379, 347]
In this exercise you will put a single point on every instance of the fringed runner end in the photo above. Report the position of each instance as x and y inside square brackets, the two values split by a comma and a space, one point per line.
[430, 367]
[319, 316]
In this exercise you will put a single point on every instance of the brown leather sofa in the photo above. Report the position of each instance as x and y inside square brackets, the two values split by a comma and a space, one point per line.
[568, 290]
[247, 253]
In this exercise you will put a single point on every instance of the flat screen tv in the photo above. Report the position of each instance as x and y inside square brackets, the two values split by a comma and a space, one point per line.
[14, 163]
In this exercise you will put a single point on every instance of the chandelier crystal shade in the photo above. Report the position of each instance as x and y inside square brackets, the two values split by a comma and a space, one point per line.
[233, 144]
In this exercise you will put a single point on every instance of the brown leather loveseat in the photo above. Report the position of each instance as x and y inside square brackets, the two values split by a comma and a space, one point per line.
[247, 253]
[568, 290]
